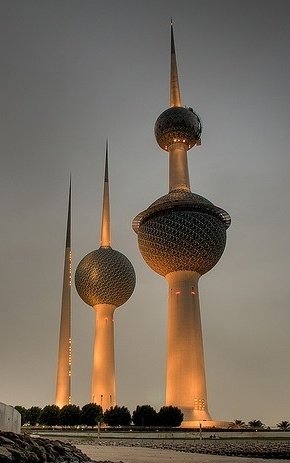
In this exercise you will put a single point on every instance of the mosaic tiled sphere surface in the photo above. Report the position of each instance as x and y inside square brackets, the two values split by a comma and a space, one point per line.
[182, 231]
[105, 276]
[176, 125]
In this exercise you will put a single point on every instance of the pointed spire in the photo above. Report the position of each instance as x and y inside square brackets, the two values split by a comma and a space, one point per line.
[64, 361]
[68, 227]
[106, 226]
[175, 98]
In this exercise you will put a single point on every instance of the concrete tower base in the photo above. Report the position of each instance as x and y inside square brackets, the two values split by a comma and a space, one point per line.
[205, 424]
[190, 415]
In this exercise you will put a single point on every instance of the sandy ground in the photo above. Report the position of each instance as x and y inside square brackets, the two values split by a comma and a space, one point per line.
[146, 455]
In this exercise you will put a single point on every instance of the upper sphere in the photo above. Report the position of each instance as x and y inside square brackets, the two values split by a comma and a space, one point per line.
[178, 125]
[105, 276]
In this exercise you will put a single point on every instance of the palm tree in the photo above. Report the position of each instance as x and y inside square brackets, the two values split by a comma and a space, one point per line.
[256, 424]
[283, 425]
[237, 424]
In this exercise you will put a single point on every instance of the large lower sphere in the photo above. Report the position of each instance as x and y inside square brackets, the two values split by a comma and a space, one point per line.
[105, 276]
[174, 240]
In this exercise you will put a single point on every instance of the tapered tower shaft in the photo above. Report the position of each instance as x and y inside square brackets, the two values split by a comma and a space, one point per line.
[63, 381]
[103, 378]
[185, 377]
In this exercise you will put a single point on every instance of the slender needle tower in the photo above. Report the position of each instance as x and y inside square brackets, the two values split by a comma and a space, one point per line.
[63, 380]
[181, 236]
[105, 279]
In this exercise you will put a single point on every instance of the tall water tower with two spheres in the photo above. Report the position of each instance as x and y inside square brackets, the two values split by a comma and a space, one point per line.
[181, 236]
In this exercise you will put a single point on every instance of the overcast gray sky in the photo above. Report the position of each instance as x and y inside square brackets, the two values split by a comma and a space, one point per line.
[76, 71]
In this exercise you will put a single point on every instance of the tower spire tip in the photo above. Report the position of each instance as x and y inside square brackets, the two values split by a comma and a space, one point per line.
[106, 178]
[106, 227]
[175, 98]
[68, 227]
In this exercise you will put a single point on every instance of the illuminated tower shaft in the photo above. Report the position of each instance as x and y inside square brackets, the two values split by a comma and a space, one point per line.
[185, 377]
[63, 381]
[103, 380]
[178, 167]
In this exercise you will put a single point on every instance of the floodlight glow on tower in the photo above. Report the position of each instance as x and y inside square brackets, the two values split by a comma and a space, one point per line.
[181, 236]
[63, 379]
[105, 279]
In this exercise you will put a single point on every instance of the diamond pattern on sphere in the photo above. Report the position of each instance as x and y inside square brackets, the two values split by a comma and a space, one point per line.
[182, 240]
[105, 276]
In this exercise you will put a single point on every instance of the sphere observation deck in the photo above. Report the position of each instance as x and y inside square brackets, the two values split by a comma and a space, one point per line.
[178, 124]
[181, 231]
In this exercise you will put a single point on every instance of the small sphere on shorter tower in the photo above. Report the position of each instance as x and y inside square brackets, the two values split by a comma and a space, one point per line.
[105, 276]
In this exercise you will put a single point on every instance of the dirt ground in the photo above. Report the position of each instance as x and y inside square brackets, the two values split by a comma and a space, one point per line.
[118, 454]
